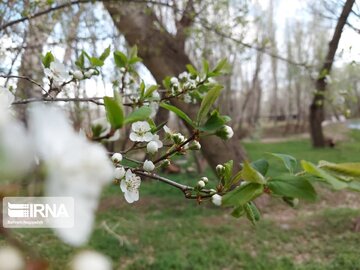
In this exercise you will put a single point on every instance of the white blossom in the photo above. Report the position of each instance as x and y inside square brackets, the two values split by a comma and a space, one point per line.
[90, 260]
[16, 151]
[178, 138]
[225, 132]
[229, 132]
[174, 81]
[148, 165]
[78, 74]
[205, 179]
[152, 147]
[184, 75]
[75, 168]
[119, 173]
[89, 73]
[201, 184]
[57, 72]
[116, 157]
[11, 259]
[130, 186]
[220, 169]
[141, 132]
[105, 127]
[216, 199]
[167, 130]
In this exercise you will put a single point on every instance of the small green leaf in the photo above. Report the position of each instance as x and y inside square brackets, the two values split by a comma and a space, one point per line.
[205, 66]
[351, 169]
[313, 170]
[191, 70]
[114, 112]
[228, 173]
[208, 101]
[105, 54]
[219, 66]
[249, 174]
[151, 89]
[120, 59]
[96, 62]
[142, 89]
[238, 212]
[292, 186]
[138, 115]
[47, 59]
[252, 213]
[80, 62]
[215, 121]
[289, 161]
[261, 165]
[242, 194]
[178, 112]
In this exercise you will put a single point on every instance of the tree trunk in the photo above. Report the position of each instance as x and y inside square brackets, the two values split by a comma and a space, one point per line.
[164, 55]
[317, 105]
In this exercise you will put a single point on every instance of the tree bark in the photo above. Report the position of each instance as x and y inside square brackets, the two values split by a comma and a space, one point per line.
[317, 105]
[164, 55]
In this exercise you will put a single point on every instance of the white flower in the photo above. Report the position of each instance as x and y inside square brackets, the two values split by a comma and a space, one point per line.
[220, 169]
[130, 186]
[187, 98]
[117, 157]
[178, 138]
[119, 173]
[57, 71]
[195, 145]
[89, 73]
[11, 259]
[229, 132]
[75, 168]
[78, 74]
[16, 151]
[148, 166]
[6, 97]
[174, 81]
[184, 75]
[105, 128]
[201, 184]
[167, 130]
[216, 199]
[141, 132]
[205, 179]
[90, 260]
[152, 147]
[122, 70]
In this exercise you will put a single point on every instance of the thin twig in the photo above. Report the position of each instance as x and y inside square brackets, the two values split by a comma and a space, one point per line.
[31, 100]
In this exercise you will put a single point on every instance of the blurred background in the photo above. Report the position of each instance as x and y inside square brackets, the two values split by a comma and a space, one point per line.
[284, 57]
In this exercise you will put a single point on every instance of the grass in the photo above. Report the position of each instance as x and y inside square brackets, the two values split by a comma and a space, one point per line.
[164, 231]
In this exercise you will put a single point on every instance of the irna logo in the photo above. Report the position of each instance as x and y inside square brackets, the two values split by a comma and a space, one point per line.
[30, 210]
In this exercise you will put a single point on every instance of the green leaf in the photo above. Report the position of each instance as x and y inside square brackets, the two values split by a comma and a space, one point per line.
[249, 174]
[289, 161]
[208, 101]
[220, 66]
[292, 186]
[238, 212]
[252, 213]
[142, 89]
[178, 112]
[105, 54]
[242, 194]
[313, 170]
[138, 115]
[215, 121]
[191, 70]
[261, 165]
[351, 169]
[47, 59]
[205, 66]
[151, 89]
[159, 127]
[228, 173]
[80, 62]
[96, 62]
[120, 59]
[114, 112]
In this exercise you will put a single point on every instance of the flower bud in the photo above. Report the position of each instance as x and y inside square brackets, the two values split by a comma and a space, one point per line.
[165, 163]
[216, 199]
[220, 170]
[148, 166]
[174, 80]
[201, 184]
[78, 74]
[195, 145]
[225, 132]
[212, 190]
[205, 179]
[119, 173]
[152, 147]
[116, 157]
[178, 138]
[122, 70]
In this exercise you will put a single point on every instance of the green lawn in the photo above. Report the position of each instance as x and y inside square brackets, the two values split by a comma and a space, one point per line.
[165, 231]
